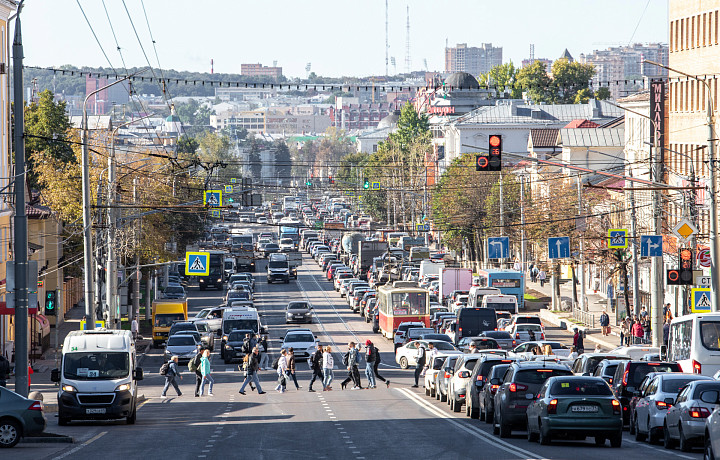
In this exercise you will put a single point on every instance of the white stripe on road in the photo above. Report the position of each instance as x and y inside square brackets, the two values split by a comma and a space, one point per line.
[85, 444]
[476, 432]
[664, 451]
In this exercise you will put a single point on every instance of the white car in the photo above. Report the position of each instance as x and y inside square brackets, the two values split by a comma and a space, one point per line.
[344, 284]
[525, 350]
[433, 368]
[521, 332]
[301, 340]
[405, 355]
[286, 245]
[262, 220]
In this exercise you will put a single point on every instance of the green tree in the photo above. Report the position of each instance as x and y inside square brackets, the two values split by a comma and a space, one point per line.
[583, 96]
[283, 162]
[410, 125]
[502, 78]
[194, 116]
[347, 173]
[603, 94]
[569, 78]
[535, 81]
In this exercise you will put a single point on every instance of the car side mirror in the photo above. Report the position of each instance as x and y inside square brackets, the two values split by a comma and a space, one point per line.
[464, 374]
[663, 353]
[55, 375]
[139, 374]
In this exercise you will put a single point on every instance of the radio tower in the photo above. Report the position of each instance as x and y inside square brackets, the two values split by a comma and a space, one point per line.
[387, 43]
[532, 53]
[408, 62]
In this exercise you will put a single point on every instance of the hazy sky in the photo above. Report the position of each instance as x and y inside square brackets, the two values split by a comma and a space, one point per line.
[339, 37]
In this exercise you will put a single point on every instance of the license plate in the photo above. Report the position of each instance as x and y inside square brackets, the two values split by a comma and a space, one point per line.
[584, 408]
[95, 411]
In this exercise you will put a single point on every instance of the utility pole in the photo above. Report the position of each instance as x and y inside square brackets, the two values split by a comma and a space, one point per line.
[136, 281]
[522, 223]
[656, 285]
[20, 225]
[583, 304]
[502, 207]
[636, 268]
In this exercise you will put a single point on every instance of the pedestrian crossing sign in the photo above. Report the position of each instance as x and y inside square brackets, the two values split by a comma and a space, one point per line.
[228, 189]
[375, 186]
[617, 238]
[701, 302]
[212, 198]
[233, 181]
[197, 263]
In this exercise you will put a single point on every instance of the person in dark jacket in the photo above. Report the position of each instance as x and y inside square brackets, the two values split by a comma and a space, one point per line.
[316, 364]
[605, 323]
[352, 368]
[198, 374]
[578, 341]
[370, 363]
[666, 332]
[253, 366]
[291, 367]
[4, 370]
[172, 373]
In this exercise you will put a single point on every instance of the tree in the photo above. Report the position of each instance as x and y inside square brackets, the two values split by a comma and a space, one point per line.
[535, 80]
[194, 116]
[503, 78]
[583, 96]
[410, 125]
[603, 94]
[283, 162]
[569, 78]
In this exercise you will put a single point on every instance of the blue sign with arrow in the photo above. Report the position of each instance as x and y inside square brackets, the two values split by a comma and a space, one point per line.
[499, 247]
[559, 247]
[651, 246]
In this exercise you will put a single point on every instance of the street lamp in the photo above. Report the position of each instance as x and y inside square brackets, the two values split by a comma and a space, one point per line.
[714, 248]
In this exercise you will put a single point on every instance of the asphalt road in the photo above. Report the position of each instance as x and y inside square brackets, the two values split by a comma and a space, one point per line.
[395, 422]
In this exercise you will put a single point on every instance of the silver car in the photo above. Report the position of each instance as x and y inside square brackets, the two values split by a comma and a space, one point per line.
[685, 420]
[185, 346]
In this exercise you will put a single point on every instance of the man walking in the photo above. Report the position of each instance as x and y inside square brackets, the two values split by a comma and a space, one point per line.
[4, 370]
[316, 363]
[541, 277]
[134, 327]
[375, 367]
[264, 356]
[420, 357]
[194, 366]
[253, 366]
[291, 367]
[370, 363]
[578, 341]
[604, 323]
[351, 367]
[172, 372]
[282, 372]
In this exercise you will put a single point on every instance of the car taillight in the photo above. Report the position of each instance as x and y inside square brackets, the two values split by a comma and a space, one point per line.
[542, 336]
[662, 404]
[479, 378]
[494, 388]
[699, 412]
[514, 343]
[515, 387]
[616, 406]
[447, 375]
[696, 367]
[36, 405]
[517, 335]
[625, 375]
[552, 407]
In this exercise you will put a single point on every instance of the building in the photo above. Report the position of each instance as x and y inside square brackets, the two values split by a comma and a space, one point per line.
[368, 141]
[471, 59]
[615, 65]
[351, 115]
[259, 70]
[547, 62]
[102, 102]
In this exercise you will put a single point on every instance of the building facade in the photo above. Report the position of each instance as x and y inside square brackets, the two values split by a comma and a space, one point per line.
[259, 70]
[471, 59]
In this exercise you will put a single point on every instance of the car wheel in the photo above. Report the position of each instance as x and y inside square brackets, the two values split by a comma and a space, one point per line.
[599, 440]
[443, 397]
[684, 444]
[543, 438]
[132, 417]
[10, 433]
[668, 442]
[433, 393]
[467, 409]
[653, 435]
[631, 428]
[477, 413]
[616, 439]
[505, 429]
[531, 435]
[457, 405]
[427, 391]
[708, 453]
[496, 427]
[437, 394]
[403, 362]
[638, 436]
[451, 401]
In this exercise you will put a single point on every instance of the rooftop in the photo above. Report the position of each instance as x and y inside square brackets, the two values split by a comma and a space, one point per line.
[592, 137]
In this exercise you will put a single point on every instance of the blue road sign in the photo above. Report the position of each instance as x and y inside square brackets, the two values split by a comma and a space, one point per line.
[212, 198]
[233, 180]
[498, 247]
[651, 246]
[228, 189]
[375, 186]
[422, 227]
[617, 238]
[559, 247]
[197, 263]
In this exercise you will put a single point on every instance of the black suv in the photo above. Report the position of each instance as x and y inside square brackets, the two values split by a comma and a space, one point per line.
[630, 374]
[519, 388]
[486, 397]
[474, 386]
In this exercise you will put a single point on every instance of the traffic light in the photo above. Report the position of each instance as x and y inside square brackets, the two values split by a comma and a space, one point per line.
[51, 303]
[366, 184]
[231, 200]
[308, 183]
[494, 153]
[672, 278]
[685, 256]
[331, 180]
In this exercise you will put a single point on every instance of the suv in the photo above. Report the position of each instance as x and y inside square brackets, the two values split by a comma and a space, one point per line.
[401, 331]
[630, 374]
[182, 326]
[523, 319]
[586, 363]
[520, 386]
[476, 382]
[464, 366]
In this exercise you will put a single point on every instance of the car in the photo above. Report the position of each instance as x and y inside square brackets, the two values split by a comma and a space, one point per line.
[503, 339]
[523, 319]
[586, 363]
[476, 382]
[629, 375]
[458, 378]
[298, 312]
[685, 419]
[651, 408]
[270, 248]
[212, 317]
[435, 365]
[481, 343]
[286, 245]
[262, 220]
[606, 369]
[239, 297]
[182, 326]
[520, 385]
[184, 346]
[575, 407]
[174, 292]
[233, 346]
[442, 378]
[356, 297]
[345, 284]
[405, 355]
[486, 396]
[198, 337]
[207, 334]
[435, 336]
[340, 277]
[19, 417]
[414, 333]
[241, 285]
[402, 329]
[302, 341]
[528, 349]
[526, 332]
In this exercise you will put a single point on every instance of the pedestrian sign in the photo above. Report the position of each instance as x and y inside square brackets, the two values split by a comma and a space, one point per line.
[422, 227]
[197, 263]
[98, 324]
[233, 181]
[375, 186]
[499, 247]
[559, 248]
[700, 300]
[228, 189]
[617, 238]
[651, 246]
[215, 213]
[212, 198]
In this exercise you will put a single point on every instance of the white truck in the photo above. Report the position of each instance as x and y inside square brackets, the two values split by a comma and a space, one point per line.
[454, 279]
[431, 267]
[98, 377]
[477, 293]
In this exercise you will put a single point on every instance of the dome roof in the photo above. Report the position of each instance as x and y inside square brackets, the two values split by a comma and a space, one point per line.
[462, 80]
[389, 121]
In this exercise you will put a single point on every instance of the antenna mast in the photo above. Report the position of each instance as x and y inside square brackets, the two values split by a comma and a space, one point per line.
[408, 62]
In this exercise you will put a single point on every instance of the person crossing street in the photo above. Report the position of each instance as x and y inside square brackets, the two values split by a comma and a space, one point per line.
[316, 364]
[253, 366]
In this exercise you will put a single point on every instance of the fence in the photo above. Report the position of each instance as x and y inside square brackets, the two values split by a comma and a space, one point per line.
[72, 293]
[584, 317]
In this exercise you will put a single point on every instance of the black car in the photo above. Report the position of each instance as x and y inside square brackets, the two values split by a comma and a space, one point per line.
[182, 326]
[232, 349]
[271, 248]
[481, 343]
[474, 386]
[486, 398]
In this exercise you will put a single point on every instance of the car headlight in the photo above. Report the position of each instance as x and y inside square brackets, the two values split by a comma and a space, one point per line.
[123, 387]
[202, 280]
[224, 338]
[219, 280]
[69, 389]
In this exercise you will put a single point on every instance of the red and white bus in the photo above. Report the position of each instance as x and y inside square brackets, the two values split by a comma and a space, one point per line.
[400, 302]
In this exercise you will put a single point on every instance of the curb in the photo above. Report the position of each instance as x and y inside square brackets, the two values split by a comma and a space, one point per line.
[48, 438]
[559, 321]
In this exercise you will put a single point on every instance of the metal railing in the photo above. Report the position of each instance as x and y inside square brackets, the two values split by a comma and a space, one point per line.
[584, 317]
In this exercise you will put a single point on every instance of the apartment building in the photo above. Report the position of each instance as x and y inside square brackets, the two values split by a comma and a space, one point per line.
[471, 59]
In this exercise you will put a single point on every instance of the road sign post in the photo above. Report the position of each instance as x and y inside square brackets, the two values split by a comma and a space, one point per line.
[212, 198]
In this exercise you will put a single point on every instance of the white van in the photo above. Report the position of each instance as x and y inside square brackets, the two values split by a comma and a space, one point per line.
[694, 342]
[98, 378]
[500, 302]
[476, 294]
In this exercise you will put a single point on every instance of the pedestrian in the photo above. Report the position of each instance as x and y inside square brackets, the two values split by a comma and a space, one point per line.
[375, 367]
[598, 349]
[4, 370]
[647, 329]
[530, 272]
[535, 273]
[246, 347]
[350, 360]
[604, 323]
[578, 341]
[624, 332]
[134, 327]
[420, 363]
[531, 334]
[541, 277]
[253, 366]
[473, 348]
[172, 373]
[431, 353]
[316, 364]
[282, 372]
[370, 363]
[264, 355]
[573, 353]
[637, 332]
[328, 364]
[206, 373]
[194, 366]
[643, 313]
[291, 367]
[666, 332]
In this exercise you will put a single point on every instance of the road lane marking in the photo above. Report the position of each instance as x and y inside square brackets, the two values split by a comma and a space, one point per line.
[664, 451]
[476, 432]
[85, 444]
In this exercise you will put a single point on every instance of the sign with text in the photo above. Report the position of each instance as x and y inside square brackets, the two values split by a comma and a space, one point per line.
[657, 112]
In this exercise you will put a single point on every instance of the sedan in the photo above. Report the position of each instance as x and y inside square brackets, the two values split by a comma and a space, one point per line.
[685, 420]
[185, 347]
[302, 341]
[174, 292]
[233, 346]
[19, 417]
[575, 407]
[435, 366]
[525, 332]
[503, 339]
[405, 355]
[298, 312]
[529, 349]
[270, 248]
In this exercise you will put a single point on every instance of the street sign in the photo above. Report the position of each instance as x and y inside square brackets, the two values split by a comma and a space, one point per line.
[684, 229]
[498, 247]
[233, 181]
[422, 227]
[559, 248]
[375, 186]
[617, 238]
[215, 213]
[228, 189]
[703, 280]
[197, 263]
[700, 300]
[98, 325]
[651, 246]
[349, 193]
[703, 257]
[212, 198]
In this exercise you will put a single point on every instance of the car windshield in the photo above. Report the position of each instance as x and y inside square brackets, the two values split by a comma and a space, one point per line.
[501, 306]
[298, 306]
[674, 385]
[96, 365]
[444, 346]
[299, 338]
[236, 336]
[580, 387]
[409, 303]
[286, 241]
[181, 341]
[642, 369]
[166, 320]
[232, 324]
[535, 376]
[202, 327]
[278, 264]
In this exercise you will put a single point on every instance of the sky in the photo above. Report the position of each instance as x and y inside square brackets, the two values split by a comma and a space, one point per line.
[338, 37]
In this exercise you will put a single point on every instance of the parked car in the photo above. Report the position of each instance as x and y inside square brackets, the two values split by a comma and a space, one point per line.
[486, 397]
[442, 378]
[575, 407]
[405, 355]
[685, 419]
[586, 363]
[434, 367]
[19, 417]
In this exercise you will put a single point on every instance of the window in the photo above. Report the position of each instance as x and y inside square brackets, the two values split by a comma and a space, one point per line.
[580, 387]
[704, 29]
[673, 385]
[710, 335]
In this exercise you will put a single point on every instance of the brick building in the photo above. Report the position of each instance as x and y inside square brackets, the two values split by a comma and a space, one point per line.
[259, 70]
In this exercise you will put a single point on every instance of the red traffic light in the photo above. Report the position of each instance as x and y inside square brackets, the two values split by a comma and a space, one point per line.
[481, 163]
[673, 277]
[686, 254]
[495, 141]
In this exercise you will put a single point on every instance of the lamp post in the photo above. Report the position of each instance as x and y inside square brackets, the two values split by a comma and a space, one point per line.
[87, 221]
[714, 248]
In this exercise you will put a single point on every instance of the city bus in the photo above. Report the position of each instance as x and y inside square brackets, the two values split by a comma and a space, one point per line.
[401, 302]
[510, 282]
[694, 342]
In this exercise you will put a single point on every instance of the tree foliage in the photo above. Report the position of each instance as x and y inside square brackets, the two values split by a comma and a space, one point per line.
[569, 78]
[503, 77]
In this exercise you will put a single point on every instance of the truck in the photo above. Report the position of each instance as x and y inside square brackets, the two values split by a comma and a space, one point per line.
[295, 260]
[454, 279]
[431, 267]
[368, 251]
[288, 231]
[278, 268]
[407, 242]
[98, 377]
[239, 318]
[164, 314]
[216, 278]
[244, 251]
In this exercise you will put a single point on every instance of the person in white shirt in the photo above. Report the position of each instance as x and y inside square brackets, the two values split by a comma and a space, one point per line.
[328, 364]
[282, 371]
[134, 327]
